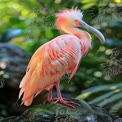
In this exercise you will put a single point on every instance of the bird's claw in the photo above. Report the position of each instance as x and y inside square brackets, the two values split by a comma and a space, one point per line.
[69, 103]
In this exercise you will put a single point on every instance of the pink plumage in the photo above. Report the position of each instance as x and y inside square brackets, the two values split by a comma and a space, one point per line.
[55, 58]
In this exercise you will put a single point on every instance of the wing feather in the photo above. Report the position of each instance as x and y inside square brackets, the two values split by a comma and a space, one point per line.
[48, 64]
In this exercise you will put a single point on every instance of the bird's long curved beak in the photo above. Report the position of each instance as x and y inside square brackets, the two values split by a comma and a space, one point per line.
[93, 30]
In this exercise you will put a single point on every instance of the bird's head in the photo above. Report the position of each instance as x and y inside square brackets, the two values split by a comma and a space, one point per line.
[73, 18]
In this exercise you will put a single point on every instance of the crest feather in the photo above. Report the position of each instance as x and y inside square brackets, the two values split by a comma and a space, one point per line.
[74, 13]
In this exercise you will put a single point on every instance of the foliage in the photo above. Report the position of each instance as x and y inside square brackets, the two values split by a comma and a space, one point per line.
[110, 93]
[101, 67]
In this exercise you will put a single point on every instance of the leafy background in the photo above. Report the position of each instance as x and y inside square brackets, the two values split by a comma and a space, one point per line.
[29, 24]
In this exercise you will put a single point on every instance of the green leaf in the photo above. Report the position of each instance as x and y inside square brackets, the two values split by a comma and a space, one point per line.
[95, 89]
[103, 97]
[111, 99]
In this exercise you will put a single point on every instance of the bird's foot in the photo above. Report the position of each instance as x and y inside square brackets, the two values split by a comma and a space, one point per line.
[69, 103]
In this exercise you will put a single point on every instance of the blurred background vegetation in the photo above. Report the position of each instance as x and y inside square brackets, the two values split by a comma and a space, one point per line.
[30, 23]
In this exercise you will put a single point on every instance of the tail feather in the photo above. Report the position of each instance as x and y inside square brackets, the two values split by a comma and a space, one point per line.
[30, 85]
[25, 79]
[28, 101]
[33, 81]
[21, 92]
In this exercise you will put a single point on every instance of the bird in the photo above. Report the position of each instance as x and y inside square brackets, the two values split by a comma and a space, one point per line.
[55, 58]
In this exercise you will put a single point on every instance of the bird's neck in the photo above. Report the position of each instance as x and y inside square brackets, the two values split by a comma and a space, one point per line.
[85, 38]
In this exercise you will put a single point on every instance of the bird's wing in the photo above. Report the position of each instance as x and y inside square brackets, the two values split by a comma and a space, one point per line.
[30, 83]
[64, 55]
[48, 64]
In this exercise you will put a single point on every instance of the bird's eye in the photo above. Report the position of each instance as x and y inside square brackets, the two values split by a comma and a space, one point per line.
[77, 23]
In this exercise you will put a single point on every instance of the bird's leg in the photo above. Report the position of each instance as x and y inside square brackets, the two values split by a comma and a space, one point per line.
[61, 100]
[50, 95]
